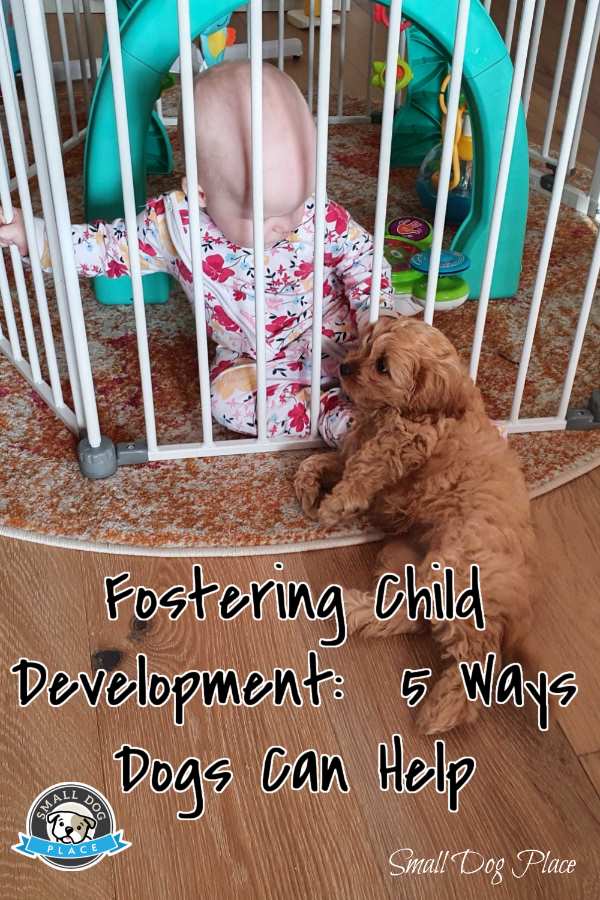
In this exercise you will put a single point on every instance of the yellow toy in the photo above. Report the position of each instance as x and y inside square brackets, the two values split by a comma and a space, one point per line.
[463, 140]
[461, 176]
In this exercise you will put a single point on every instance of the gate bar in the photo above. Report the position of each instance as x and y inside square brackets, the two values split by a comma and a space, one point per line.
[41, 166]
[43, 76]
[64, 46]
[280, 35]
[587, 33]
[510, 24]
[558, 75]
[81, 51]
[385, 152]
[92, 62]
[460, 40]
[584, 314]
[512, 115]
[42, 390]
[17, 141]
[120, 104]
[320, 200]
[258, 226]
[584, 95]
[342, 57]
[533, 53]
[594, 196]
[370, 62]
[17, 265]
[9, 313]
[311, 55]
[191, 170]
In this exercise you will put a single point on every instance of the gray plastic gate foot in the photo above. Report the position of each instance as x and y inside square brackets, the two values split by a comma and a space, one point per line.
[97, 462]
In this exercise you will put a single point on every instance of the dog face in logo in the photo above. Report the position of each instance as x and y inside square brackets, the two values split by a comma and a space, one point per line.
[70, 827]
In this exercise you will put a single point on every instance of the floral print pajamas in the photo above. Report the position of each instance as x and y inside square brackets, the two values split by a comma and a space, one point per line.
[164, 242]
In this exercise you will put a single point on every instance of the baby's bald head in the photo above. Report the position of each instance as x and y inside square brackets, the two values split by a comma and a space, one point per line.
[224, 148]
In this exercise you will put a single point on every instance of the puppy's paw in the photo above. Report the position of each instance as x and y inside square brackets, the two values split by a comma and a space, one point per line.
[308, 488]
[358, 606]
[331, 511]
[446, 707]
[339, 507]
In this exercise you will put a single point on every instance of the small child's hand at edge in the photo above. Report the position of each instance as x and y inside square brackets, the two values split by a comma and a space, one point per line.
[13, 232]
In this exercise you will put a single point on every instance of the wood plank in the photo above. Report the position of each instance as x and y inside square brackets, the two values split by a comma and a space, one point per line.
[591, 764]
[264, 846]
[42, 618]
[516, 766]
[566, 634]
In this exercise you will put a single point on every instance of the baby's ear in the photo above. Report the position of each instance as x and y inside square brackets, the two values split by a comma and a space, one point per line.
[201, 194]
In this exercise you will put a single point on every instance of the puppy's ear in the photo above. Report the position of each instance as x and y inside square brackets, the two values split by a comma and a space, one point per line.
[91, 823]
[442, 387]
[52, 817]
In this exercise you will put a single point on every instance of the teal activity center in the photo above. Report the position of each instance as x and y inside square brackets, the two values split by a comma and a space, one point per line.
[149, 36]
[149, 31]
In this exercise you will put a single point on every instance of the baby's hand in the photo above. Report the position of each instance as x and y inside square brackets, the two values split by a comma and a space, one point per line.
[13, 232]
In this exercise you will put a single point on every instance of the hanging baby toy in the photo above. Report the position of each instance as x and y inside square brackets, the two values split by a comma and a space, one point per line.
[461, 177]
[404, 73]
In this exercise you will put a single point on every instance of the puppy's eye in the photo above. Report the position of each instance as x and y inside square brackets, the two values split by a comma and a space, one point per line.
[381, 366]
[79, 828]
[61, 822]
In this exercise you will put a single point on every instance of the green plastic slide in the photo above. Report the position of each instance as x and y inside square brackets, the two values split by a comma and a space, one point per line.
[159, 153]
[149, 38]
[417, 123]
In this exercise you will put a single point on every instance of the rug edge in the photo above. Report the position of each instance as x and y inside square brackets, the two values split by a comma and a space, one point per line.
[368, 537]
[64, 543]
[571, 474]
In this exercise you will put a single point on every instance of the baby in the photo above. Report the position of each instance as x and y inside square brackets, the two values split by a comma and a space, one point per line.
[223, 141]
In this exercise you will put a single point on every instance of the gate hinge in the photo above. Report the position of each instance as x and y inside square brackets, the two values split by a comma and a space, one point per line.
[132, 453]
[547, 181]
[585, 418]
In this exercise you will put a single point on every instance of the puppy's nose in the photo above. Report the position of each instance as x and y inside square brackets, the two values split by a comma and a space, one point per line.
[346, 369]
[69, 829]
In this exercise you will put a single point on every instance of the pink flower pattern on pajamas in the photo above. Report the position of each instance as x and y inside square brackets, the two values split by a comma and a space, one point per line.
[164, 245]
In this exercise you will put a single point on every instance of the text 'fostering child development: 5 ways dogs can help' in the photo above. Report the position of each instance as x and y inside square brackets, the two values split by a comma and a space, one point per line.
[189, 692]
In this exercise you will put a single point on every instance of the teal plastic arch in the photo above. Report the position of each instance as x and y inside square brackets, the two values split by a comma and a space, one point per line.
[149, 37]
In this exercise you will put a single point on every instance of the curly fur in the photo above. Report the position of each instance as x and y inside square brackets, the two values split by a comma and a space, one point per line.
[424, 458]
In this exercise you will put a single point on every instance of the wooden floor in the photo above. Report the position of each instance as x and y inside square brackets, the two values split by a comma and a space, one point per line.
[530, 790]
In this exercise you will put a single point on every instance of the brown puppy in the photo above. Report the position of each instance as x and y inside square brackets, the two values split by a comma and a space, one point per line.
[423, 456]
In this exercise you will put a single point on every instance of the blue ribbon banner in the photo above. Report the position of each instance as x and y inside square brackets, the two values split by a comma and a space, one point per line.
[35, 846]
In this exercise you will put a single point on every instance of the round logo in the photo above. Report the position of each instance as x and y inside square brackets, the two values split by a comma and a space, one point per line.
[70, 826]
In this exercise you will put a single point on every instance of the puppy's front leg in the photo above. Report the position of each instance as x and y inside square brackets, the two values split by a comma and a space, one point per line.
[316, 475]
[381, 461]
[365, 474]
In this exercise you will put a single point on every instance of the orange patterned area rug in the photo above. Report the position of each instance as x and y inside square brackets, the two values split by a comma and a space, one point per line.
[246, 504]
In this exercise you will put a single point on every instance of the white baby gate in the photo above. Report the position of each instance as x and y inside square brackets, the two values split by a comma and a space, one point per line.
[98, 455]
